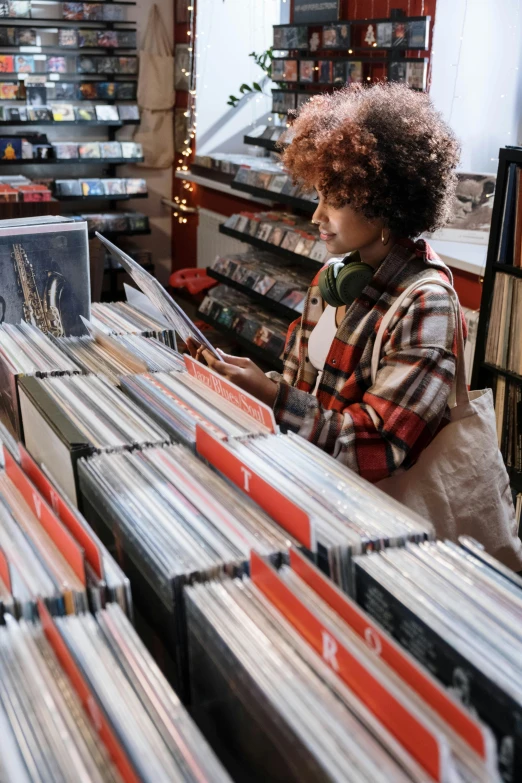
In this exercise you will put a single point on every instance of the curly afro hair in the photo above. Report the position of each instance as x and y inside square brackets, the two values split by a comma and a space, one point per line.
[384, 150]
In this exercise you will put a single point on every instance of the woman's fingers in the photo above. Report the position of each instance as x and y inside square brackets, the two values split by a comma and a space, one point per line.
[193, 347]
[237, 361]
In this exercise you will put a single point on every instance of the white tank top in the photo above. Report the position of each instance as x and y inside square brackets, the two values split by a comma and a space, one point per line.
[320, 341]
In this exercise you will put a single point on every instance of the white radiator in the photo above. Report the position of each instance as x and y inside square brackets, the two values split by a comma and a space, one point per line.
[210, 242]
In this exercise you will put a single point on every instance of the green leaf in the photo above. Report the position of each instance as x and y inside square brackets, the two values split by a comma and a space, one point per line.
[245, 88]
[257, 87]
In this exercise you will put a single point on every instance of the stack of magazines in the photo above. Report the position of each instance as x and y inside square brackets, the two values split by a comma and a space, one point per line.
[457, 610]
[300, 679]
[175, 521]
[82, 699]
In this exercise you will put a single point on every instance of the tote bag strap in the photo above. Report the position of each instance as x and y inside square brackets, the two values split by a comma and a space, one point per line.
[459, 390]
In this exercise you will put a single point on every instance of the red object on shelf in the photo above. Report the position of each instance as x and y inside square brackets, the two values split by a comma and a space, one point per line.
[194, 280]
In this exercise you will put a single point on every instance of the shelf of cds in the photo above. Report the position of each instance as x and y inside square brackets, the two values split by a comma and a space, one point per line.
[312, 57]
[68, 65]
[497, 355]
[188, 593]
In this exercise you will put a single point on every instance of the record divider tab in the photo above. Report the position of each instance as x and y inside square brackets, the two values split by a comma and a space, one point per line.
[87, 697]
[290, 516]
[54, 528]
[5, 571]
[258, 411]
[422, 744]
[470, 730]
[64, 513]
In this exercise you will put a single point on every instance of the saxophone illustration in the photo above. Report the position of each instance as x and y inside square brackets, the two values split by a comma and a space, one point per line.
[41, 311]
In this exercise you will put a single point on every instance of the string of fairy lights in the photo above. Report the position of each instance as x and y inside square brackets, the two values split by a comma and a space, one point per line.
[190, 114]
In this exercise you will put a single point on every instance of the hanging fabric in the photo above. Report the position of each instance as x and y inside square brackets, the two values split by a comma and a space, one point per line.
[156, 95]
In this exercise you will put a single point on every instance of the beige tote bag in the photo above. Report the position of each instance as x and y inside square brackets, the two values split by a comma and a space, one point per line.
[459, 483]
[156, 95]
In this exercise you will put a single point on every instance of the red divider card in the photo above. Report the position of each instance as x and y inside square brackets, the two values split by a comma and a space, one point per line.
[90, 704]
[60, 536]
[397, 659]
[5, 571]
[258, 411]
[292, 518]
[63, 511]
[406, 727]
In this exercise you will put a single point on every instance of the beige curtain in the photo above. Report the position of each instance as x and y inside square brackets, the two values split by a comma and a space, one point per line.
[156, 95]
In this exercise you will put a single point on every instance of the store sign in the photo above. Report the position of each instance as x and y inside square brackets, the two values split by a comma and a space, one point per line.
[316, 10]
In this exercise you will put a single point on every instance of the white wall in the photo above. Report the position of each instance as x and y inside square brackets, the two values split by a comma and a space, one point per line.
[477, 68]
[227, 32]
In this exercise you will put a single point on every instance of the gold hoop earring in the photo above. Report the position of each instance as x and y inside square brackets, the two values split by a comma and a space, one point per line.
[382, 237]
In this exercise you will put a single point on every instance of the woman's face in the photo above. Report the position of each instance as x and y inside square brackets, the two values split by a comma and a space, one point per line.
[343, 229]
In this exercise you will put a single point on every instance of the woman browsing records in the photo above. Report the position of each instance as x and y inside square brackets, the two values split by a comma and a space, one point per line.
[382, 162]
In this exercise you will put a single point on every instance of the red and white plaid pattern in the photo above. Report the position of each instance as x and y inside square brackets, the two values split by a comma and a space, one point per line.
[375, 429]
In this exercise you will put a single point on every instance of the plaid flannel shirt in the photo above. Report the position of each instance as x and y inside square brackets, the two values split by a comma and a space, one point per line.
[375, 429]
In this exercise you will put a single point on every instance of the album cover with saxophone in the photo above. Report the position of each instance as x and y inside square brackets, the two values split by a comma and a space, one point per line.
[44, 274]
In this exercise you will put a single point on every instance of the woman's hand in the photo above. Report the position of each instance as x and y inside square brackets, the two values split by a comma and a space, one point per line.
[243, 372]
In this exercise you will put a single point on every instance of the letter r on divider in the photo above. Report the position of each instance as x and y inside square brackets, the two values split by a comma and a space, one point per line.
[330, 651]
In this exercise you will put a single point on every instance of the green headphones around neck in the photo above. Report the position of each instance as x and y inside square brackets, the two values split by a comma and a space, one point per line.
[343, 281]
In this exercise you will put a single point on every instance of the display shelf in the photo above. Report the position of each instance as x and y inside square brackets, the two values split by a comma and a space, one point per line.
[71, 161]
[507, 155]
[56, 49]
[281, 252]
[292, 201]
[95, 2]
[254, 350]
[9, 210]
[349, 22]
[50, 23]
[508, 270]
[105, 197]
[268, 304]
[512, 376]
[70, 123]
[466, 256]
[267, 144]
[350, 58]
[9, 76]
[222, 187]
